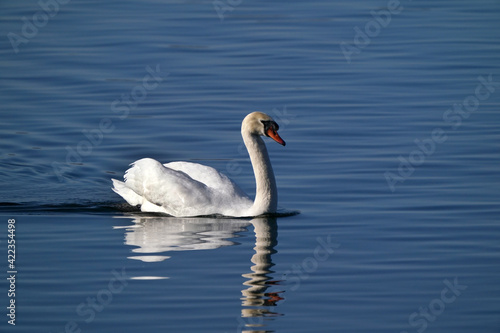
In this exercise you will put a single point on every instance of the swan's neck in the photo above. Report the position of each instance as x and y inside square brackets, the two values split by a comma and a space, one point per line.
[266, 195]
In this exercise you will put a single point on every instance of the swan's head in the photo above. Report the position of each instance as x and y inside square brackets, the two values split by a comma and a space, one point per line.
[259, 123]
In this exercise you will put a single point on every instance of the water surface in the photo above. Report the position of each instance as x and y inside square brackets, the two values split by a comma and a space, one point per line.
[392, 160]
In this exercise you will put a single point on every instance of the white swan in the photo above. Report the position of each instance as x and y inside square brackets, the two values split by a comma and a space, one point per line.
[191, 189]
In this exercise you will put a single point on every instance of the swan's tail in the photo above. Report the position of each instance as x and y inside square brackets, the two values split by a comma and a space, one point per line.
[127, 193]
[132, 190]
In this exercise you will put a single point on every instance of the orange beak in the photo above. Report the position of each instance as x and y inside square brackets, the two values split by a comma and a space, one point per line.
[275, 136]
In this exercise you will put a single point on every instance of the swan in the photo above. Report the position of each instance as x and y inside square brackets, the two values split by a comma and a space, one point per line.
[185, 189]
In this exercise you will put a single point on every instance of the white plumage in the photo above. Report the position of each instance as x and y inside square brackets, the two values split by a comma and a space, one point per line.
[192, 189]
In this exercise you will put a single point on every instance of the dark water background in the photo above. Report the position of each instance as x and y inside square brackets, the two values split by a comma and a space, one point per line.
[391, 116]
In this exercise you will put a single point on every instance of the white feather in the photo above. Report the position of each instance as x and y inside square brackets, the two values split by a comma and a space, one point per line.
[191, 189]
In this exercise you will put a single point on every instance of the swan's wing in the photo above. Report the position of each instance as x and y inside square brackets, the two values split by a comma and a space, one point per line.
[174, 191]
[181, 189]
[209, 176]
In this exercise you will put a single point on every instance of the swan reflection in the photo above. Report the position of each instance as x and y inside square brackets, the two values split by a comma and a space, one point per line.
[164, 234]
[152, 236]
[257, 298]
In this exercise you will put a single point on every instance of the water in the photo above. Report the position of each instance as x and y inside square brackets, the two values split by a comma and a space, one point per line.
[398, 190]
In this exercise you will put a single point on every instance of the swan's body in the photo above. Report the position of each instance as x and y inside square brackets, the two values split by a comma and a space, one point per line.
[191, 189]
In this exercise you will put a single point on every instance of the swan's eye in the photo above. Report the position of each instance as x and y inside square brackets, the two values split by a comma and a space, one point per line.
[270, 124]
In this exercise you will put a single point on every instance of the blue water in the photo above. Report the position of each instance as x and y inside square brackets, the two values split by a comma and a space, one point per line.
[391, 116]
